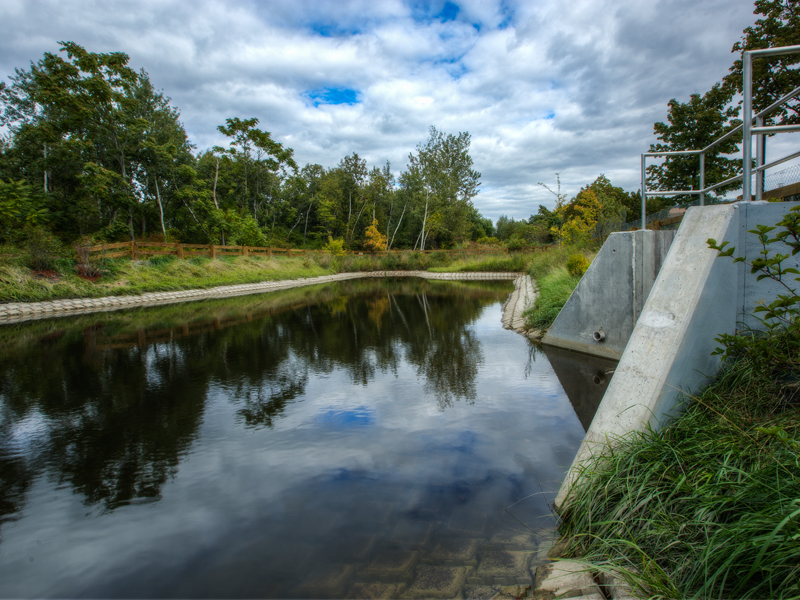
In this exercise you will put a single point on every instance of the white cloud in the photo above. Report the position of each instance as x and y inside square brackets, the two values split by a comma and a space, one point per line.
[541, 86]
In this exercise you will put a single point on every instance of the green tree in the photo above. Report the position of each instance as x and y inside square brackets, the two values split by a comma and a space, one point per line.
[772, 76]
[81, 127]
[442, 178]
[257, 165]
[692, 126]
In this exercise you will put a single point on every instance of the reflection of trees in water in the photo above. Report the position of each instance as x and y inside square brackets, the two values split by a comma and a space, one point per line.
[116, 413]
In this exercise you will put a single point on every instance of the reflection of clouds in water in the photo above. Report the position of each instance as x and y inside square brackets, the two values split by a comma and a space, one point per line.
[320, 431]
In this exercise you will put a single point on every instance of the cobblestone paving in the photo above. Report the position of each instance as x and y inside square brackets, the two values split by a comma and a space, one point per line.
[15, 312]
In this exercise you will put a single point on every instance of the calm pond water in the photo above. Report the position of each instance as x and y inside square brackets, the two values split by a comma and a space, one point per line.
[357, 439]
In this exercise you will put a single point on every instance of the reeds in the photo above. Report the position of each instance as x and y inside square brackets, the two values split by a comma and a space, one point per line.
[707, 507]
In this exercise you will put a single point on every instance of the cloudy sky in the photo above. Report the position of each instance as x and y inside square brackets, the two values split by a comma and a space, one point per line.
[542, 86]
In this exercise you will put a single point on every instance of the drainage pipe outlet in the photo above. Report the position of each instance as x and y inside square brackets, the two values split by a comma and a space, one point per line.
[599, 336]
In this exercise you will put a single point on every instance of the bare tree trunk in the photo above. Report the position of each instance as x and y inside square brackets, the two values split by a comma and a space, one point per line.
[196, 220]
[390, 244]
[160, 209]
[216, 177]
[310, 204]
[353, 231]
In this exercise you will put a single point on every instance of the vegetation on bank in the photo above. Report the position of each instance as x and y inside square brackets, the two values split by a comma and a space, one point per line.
[709, 506]
[166, 273]
[556, 274]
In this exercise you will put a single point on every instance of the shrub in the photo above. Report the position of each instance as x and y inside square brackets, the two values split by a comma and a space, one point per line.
[42, 248]
[334, 247]
[516, 243]
[577, 265]
[84, 265]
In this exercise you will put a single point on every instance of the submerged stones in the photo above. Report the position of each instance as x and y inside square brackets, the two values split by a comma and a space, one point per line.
[456, 563]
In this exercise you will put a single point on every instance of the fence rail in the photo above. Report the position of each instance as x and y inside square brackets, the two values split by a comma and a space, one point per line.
[136, 250]
[752, 126]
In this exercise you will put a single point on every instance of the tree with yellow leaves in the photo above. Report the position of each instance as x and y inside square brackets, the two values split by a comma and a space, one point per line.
[373, 239]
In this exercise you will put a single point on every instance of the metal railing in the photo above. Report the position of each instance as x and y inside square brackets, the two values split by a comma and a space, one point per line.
[748, 131]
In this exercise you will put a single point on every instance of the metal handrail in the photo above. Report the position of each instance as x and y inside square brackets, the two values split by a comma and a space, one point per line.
[748, 131]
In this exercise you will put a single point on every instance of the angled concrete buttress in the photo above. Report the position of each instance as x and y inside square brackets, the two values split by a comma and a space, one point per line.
[696, 297]
[601, 313]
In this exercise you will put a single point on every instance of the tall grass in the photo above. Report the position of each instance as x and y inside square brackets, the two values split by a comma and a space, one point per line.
[554, 291]
[708, 507]
[167, 273]
[554, 283]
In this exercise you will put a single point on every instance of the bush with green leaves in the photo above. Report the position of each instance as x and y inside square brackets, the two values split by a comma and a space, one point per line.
[577, 265]
[776, 349]
[335, 247]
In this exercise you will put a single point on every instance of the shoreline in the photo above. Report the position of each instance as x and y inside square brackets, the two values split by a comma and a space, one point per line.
[18, 312]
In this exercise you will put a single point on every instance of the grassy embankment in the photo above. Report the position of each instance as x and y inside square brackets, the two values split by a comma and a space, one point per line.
[19, 283]
[708, 507]
[554, 282]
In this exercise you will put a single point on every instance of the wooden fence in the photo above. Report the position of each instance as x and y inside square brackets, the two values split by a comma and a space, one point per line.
[136, 250]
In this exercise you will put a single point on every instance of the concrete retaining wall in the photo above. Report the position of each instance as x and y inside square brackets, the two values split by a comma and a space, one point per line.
[696, 297]
[611, 294]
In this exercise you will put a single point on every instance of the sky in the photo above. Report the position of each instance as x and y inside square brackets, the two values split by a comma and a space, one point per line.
[542, 86]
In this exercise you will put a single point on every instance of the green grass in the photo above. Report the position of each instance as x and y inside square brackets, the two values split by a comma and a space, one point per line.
[554, 291]
[167, 273]
[125, 277]
[708, 507]
[516, 263]
[554, 283]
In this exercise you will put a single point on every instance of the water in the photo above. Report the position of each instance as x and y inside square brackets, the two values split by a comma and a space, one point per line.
[354, 439]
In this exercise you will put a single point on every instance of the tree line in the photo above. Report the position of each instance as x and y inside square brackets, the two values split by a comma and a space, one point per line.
[93, 149]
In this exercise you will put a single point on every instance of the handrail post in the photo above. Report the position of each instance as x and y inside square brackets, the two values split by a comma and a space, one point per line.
[644, 193]
[747, 121]
[702, 178]
[760, 159]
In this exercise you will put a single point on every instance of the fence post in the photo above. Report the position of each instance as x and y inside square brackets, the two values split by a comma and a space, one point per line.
[244, 250]
[133, 250]
[702, 178]
[179, 249]
[747, 120]
[269, 251]
[213, 251]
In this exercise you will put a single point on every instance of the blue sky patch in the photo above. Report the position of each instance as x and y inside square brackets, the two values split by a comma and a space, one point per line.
[449, 12]
[330, 95]
[331, 30]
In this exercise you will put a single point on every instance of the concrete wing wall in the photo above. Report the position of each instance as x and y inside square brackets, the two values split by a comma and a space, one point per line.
[611, 294]
[696, 297]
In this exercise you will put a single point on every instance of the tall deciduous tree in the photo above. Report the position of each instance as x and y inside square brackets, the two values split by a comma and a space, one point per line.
[81, 125]
[773, 76]
[692, 126]
[442, 176]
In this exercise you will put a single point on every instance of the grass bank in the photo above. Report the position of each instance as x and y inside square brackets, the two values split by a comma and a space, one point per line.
[708, 507]
[555, 284]
[122, 276]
